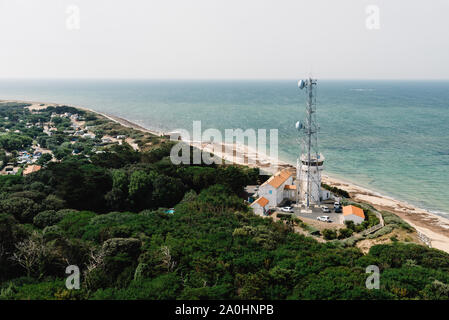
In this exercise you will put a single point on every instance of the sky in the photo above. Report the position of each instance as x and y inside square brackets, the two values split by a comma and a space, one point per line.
[224, 39]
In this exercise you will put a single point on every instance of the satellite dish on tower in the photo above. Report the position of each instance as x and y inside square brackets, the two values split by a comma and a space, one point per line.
[298, 125]
[301, 84]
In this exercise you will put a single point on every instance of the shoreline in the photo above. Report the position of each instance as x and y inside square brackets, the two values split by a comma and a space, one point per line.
[432, 225]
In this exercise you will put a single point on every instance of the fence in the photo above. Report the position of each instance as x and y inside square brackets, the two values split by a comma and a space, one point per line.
[377, 226]
[372, 229]
[424, 239]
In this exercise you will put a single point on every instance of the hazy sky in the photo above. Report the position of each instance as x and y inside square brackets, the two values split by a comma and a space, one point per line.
[253, 39]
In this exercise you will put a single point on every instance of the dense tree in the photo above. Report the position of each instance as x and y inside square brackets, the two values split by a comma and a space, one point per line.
[23, 209]
[45, 158]
[13, 141]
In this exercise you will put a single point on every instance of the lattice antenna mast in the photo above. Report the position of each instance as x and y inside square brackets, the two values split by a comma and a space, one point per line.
[309, 142]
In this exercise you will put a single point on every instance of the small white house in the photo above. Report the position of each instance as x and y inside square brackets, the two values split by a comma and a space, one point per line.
[353, 213]
[260, 206]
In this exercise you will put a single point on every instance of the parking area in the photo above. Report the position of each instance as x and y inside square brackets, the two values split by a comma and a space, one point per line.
[317, 212]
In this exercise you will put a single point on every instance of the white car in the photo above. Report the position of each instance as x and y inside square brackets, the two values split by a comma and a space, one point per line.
[287, 209]
[325, 209]
[324, 219]
[337, 205]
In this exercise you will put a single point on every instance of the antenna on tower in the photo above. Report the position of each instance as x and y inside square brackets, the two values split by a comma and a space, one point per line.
[310, 162]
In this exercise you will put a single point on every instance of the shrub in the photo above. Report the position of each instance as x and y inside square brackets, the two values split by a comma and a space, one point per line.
[284, 216]
[392, 219]
[73, 223]
[113, 247]
[344, 233]
[382, 231]
[350, 242]
[48, 218]
[329, 234]
[163, 287]
[34, 291]
[350, 225]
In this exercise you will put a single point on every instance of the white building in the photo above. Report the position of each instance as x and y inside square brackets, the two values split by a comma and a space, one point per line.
[274, 189]
[353, 213]
[260, 206]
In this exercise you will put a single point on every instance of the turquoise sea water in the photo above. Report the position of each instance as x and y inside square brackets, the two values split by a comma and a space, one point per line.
[389, 136]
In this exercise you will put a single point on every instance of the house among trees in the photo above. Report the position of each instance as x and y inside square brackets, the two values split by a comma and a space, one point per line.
[354, 214]
[260, 206]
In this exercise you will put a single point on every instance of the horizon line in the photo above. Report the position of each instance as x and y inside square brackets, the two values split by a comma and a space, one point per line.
[218, 79]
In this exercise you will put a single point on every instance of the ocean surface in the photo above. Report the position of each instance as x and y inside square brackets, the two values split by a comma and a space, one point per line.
[389, 136]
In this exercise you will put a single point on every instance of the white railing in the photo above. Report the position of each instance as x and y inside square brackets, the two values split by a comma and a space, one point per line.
[378, 226]
[372, 229]
[424, 239]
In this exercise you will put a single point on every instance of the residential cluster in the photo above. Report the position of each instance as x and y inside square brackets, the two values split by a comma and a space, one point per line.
[30, 138]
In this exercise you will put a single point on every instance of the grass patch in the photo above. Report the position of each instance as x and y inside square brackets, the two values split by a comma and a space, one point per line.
[394, 220]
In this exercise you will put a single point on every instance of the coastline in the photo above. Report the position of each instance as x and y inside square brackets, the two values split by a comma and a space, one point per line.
[435, 227]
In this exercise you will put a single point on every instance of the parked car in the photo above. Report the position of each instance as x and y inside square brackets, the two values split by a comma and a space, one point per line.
[325, 209]
[338, 210]
[337, 205]
[287, 209]
[324, 219]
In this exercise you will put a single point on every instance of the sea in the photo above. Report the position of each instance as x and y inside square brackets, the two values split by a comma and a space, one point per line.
[389, 136]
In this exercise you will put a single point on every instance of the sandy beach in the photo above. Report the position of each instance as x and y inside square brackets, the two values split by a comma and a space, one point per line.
[435, 227]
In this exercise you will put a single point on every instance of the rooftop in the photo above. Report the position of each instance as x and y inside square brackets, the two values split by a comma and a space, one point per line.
[279, 178]
[348, 210]
[31, 169]
[261, 201]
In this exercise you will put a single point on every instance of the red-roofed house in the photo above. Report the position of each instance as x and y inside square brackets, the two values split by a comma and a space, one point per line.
[260, 206]
[353, 213]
